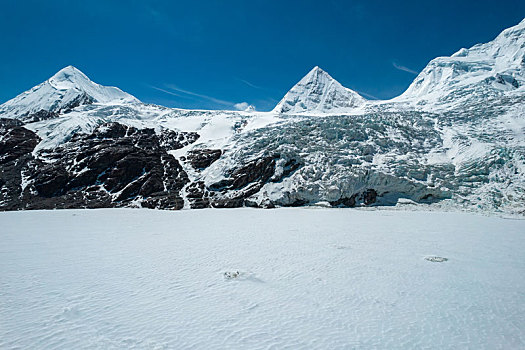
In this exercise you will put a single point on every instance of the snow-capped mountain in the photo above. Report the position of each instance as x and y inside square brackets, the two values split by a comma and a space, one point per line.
[455, 138]
[318, 92]
[469, 74]
[67, 89]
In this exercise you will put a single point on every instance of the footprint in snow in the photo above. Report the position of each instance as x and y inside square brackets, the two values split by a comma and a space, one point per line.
[436, 259]
[240, 276]
[229, 275]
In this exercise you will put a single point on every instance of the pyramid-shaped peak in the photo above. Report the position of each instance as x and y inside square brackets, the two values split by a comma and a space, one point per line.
[318, 92]
[67, 72]
[317, 70]
[317, 73]
[317, 77]
[69, 77]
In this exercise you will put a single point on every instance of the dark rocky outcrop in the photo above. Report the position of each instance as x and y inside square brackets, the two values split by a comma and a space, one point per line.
[369, 196]
[345, 201]
[198, 196]
[202, 158]
[241, 183]
[257, 171]
[118, 165]
[289, 167]
[248, 179]
[114, 166]
[16, 146]
[16, 141]
[80, 100]
[172, 140]
[38, 116]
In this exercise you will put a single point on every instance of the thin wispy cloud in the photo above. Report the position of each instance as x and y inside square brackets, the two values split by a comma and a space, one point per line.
[404, 69]
[165, 91]
[176, 91]
[205, 97]
[368, 95]
[250, 84]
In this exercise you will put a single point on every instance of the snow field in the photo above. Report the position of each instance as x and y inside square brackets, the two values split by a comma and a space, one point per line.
[260, 279]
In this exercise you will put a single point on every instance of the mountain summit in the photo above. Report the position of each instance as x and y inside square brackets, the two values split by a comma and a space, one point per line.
[67, 89]
[318, 92]
[472, 74]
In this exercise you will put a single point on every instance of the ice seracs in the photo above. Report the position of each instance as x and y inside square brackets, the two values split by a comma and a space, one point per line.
[67, 89]
[318, 92]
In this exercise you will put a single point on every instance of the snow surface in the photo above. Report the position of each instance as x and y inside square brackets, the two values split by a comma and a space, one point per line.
[260, 279]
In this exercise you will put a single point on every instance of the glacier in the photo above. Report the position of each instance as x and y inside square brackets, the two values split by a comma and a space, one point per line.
[454, 139]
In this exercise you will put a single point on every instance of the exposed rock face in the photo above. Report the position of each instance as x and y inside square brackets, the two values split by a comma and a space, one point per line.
[15, 141]
[16, 145]
[203, 158]
[242, 182]
[247, 180]
[369, 196]
[198, 195]
[171, 140]
[345, 202]
[118, 165]
[40, 115]
[114, 166]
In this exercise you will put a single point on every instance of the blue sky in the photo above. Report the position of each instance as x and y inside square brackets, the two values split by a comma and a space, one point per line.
[213, 54]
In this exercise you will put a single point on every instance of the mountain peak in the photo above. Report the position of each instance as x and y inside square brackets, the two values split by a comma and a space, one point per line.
[65, 90]
[489, 68]
[317, 73]
[69, 77]
[317, 91]
[69, 70]
[317, 70]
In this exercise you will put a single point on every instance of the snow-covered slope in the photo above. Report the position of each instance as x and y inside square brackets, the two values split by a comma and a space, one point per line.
[455, 138]
[318, 92]
[472, 75]
[67, 89]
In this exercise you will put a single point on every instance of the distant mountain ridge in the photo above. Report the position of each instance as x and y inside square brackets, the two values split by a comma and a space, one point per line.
[498, 65]
[454, 139]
